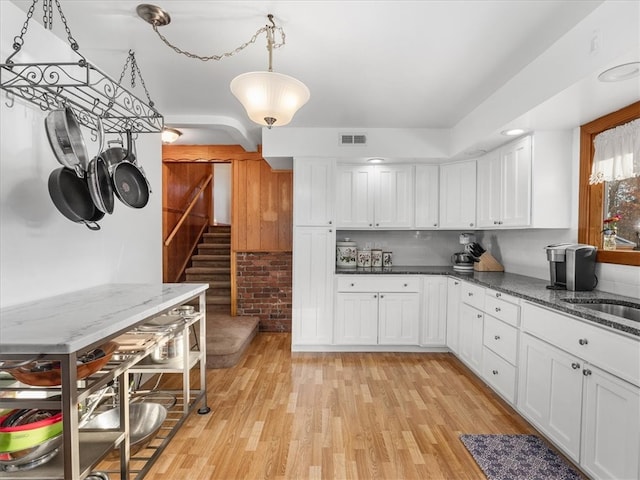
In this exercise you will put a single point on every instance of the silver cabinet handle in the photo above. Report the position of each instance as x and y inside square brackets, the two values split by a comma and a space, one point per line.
[495, 372]
[479, 315]
[497, 337]
[381, 296]
[471, 224]
[353, 284]
[495, 222]
[456, 283]
[330, 230]
[377, 224]
[497, 309]
[406, 284]
[435, 224]
[375, 296]
[470, 294]
[586, 372]
[330, 222]
[583, 341]
[371, 224]
[575, 365]
[498, 294]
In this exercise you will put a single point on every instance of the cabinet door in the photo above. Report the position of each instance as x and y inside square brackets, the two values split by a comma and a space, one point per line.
[356, 319]
[470, 337]
[312, 306]
[398, 317]
[489, 194]
[550, 392]
[611, 420]
[434, 311]
[427, 195]
[394, 196]
[313, 196]
[355, 194]
[458, 195]
[516, 184]
[453, 313]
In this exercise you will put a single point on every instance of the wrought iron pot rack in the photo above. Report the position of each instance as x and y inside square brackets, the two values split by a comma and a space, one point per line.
[83, 87]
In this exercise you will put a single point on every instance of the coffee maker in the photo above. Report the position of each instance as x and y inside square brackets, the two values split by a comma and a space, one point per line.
[572, 266]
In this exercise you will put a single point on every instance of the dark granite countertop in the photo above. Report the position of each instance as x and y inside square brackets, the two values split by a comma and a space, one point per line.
[528, 288]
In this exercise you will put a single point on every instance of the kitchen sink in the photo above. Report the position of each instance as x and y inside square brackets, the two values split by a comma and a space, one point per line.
[618, 308]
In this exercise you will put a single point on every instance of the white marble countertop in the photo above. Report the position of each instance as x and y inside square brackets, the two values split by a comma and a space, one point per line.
[74, 321]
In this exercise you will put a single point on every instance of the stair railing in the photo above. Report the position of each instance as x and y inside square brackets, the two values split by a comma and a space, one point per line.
[192, 240]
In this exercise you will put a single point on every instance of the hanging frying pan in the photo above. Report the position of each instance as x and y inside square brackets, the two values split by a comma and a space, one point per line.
[98, 178]
[65, 138]
[129, 183]
[70, 195]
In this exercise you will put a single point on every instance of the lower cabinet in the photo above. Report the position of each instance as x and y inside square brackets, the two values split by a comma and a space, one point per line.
[592, 415]
[454, 289]
[380, 318]
[377, 310]
[434, 311]
[470, 344]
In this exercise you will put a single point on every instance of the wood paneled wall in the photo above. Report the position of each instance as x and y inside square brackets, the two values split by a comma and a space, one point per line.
[262, 210]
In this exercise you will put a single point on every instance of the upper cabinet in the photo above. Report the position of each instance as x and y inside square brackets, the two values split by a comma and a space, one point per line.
[527, 183]
[427, 197]
[458, 195]
[504, 186]
[374, 196]
[313, 191]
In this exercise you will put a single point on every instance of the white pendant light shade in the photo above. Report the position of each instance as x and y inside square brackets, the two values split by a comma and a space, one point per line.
[270, 98]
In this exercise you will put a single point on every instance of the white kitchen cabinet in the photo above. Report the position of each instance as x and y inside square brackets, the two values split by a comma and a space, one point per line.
[355, 195]
[470, 337]
[398, 315]
[458, 195]
[377, 310]
[313, 191]
[550, 392]
[610, 432]
[454, 290]
[375, 196]
[427, 196]
[312, 305]
[573, 386]
[356, 319]
[434, 311]
[504, 186]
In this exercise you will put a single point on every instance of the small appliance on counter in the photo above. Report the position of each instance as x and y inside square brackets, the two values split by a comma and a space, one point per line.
[572, 266]
[463, 261]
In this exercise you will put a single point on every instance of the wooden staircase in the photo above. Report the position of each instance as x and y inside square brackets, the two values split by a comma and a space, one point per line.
[212, 264]
[227, 337]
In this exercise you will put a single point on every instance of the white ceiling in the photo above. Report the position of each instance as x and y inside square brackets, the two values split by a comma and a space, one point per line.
[368, 63]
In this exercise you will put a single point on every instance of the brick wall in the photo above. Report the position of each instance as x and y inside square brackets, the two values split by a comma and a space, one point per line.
[264, 289]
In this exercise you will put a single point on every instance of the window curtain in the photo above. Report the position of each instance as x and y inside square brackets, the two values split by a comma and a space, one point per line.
[616, 153]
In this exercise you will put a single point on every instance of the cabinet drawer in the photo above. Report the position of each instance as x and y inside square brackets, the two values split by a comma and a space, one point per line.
[378, 283]
[473, 295]
[615, 353]
[501, 338]
[500, 374]
[502, 306]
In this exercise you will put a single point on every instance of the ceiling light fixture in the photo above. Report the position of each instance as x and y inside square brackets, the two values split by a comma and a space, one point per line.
[512, 132]
[375, 160]
[170, 135]
[269, 98]
[620, 72]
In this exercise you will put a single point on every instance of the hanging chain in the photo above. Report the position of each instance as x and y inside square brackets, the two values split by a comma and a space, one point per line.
[135, 71]
[253, 39]
[47, 19]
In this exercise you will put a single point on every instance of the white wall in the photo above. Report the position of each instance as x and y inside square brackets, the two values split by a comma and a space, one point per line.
[41, 252]
[222, 193]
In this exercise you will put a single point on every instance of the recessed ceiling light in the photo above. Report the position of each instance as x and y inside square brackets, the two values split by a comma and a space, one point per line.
[512, 132]
[620, 72]
[375, 160]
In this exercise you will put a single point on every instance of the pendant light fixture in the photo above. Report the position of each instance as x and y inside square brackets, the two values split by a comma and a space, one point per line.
[269, 98]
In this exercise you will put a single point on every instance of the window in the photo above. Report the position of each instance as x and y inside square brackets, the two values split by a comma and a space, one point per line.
[609, 198]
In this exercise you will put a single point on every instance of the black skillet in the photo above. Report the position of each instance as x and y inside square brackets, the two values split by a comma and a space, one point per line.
[129, 183]
[98, 178]
[71, 196]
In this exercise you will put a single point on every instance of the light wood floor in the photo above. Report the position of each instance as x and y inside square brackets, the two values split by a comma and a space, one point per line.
[283, 415]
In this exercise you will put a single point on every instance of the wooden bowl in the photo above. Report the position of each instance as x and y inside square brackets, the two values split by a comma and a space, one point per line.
[50, 378]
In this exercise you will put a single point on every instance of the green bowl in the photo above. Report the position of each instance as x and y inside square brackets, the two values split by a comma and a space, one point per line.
[22, 437]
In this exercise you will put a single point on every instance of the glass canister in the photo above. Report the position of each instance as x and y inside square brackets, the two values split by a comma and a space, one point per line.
[346, 254]
[387, 259]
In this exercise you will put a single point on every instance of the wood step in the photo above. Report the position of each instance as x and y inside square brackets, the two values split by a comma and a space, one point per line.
[218, 300]
[213, 249]
[205, 270]
[210, 261]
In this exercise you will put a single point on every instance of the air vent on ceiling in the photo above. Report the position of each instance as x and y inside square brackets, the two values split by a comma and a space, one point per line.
[353, 139]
